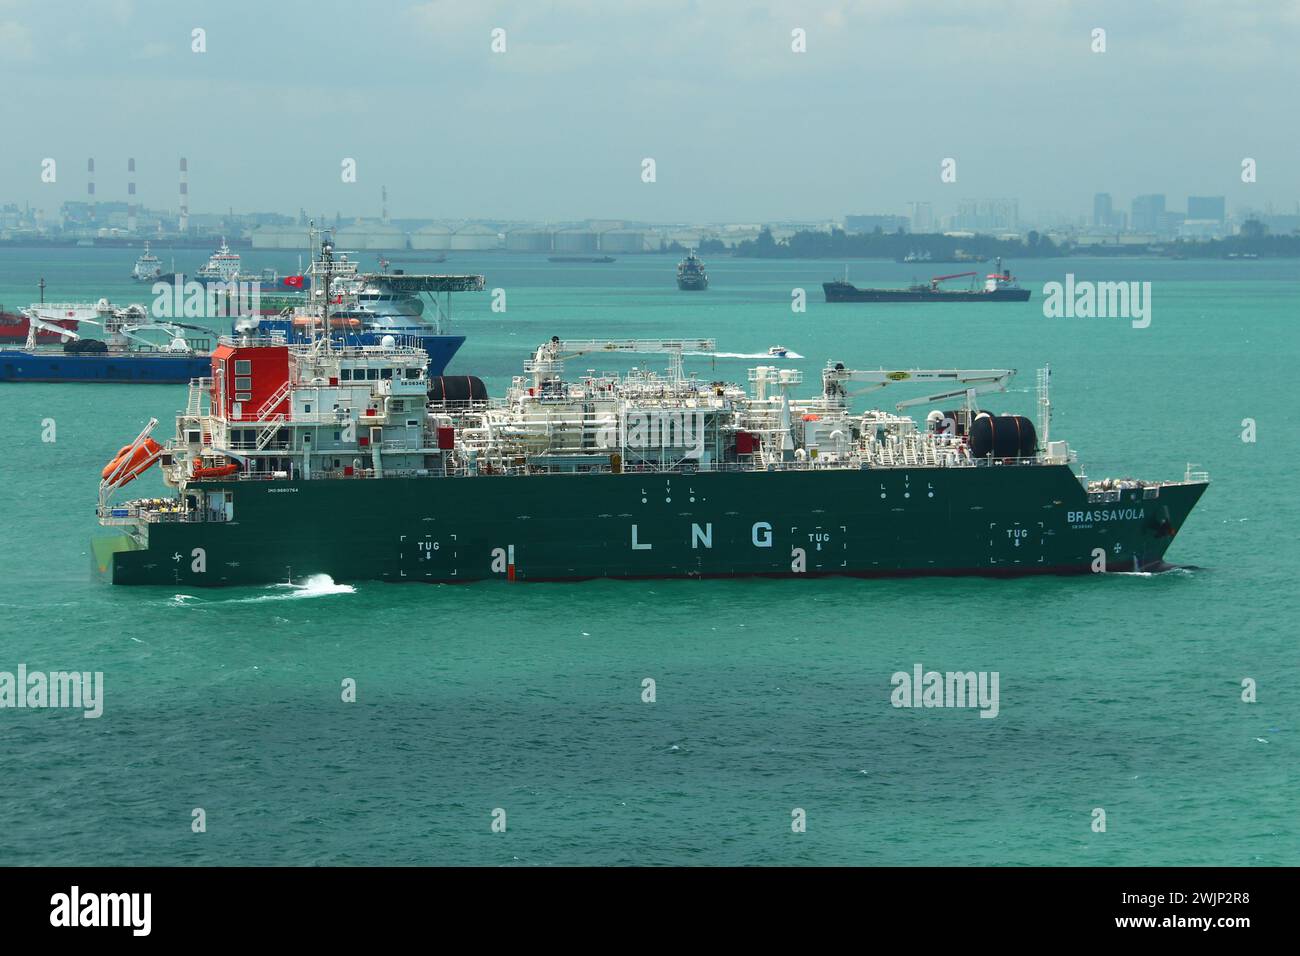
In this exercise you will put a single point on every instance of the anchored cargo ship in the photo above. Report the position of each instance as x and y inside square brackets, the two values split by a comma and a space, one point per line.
[298, 458]
[999, 286]
[690, 274]
[223, 268]
[148, 268]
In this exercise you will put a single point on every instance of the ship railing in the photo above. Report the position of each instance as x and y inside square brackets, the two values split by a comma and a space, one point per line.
[157, 511]
[1009, 462]
[277, 447]
[325, 416]
[1103, 497]
[483, 467]
[66, 307]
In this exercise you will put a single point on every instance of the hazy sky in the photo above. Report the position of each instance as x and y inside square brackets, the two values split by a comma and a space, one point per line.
[741, 128]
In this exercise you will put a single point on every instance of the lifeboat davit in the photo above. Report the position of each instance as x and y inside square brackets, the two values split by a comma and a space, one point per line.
[214, 471]
[138, 462]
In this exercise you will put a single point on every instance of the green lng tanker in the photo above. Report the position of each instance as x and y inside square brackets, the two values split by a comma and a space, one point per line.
[295, 459]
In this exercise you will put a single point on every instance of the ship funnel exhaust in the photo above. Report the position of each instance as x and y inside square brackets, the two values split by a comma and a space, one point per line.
[130, 195]
[185, 195]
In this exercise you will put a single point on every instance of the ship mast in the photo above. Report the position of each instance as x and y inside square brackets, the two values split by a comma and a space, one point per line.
[322, 267]
[1044, 404]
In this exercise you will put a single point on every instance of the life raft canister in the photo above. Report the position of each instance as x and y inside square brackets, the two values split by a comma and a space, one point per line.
[145, 454]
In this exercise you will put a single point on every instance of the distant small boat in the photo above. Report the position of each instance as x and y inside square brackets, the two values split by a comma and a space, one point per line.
[778, 351]
[959, 256]
[579, 258]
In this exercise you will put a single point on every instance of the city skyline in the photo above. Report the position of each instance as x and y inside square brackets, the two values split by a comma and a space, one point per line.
[1151, 213]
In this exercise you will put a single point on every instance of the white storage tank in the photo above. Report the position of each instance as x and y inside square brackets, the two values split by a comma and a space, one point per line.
[279, 237]
[529, 240]
[475, 237]
[577, 240]
[431, 237]
[366, 235]
[622, 240]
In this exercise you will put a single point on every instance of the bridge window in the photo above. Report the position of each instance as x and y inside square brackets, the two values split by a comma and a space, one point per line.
[243, 367]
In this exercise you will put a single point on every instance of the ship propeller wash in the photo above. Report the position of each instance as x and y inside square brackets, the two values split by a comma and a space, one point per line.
[293, 459]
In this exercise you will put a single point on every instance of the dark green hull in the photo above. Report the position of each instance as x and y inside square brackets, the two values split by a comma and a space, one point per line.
[987, 520]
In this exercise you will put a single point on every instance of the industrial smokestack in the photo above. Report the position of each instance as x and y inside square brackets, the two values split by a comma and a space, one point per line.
[383, 208]
[130, 195]
[90, 187]
[185, 195]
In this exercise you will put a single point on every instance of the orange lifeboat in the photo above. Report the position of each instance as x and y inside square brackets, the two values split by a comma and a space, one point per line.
[214, 471]
[336, 321]
[145, 454]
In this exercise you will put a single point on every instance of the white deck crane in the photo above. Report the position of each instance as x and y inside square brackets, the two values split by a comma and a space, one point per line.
[36, 324]
[121, 327]
[972, 382]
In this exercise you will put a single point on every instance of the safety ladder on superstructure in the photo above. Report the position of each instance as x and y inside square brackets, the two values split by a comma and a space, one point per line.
[269, 424]
[198, 387]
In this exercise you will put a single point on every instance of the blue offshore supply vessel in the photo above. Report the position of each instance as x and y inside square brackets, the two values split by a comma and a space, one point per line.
[50, 365]
[126, 354]
[374, 308]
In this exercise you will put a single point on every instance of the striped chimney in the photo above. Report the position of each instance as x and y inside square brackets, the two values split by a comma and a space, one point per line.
[130, 195]
[185, 195]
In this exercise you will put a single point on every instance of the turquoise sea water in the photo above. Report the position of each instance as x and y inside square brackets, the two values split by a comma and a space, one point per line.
[1120, 692]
